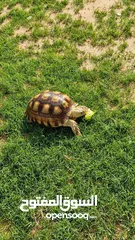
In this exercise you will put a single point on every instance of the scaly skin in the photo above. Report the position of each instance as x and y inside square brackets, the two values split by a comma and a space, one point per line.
[77, 111]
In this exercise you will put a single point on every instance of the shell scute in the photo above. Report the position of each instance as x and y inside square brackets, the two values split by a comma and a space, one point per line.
[65, 104]
[36, 106]
[45, 96]
[45, 108]
[50, 108]
[57, 110]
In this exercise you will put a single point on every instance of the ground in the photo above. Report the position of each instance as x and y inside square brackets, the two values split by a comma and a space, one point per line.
[85, 49]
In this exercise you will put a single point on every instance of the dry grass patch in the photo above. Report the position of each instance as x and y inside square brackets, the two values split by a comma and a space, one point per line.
[88, 49]
[116, 44]
[20, 7]
[49, 22]
[131, 45]
[87, 12]
[119, 10]
[2, 141]
[124, 95]
[132, 86]
[5, 227]
[5, 22]
[69, 9]
[51, 17]
[127, 57]
[35, 46]
[26, 85]
[88, 65]
[113, 108]
[2, 122]
[4, 11]
[128, 65]
[38, 45]
[102, 4]
[35, 230]
[128, 61]
[25, 45]
[45, 24]
[22, 31]
[121, 233]
[2, 100]
[38, 216]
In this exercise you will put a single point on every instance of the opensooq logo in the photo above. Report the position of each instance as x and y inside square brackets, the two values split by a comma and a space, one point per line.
[64, 203]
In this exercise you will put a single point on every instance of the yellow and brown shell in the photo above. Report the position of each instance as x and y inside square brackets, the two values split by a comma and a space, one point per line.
[50, 108]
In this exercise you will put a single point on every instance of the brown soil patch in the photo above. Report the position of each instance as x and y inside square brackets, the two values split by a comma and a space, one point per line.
[50, 19]
[2, 122]
[128, 61]
[47, 23]
[87, 48]
[35, 46]
[22, 31]
[35, 230]
[101, 4]
[2, 100]
[132, 86]
[38, 216]
[88, 65]
[24, 45]
[6, 22]
[131, 45]
[38, 45]
[128, 65]
[5, 229]
[87, 13]
[52, 16]
[26, 85]
[120, 232]
[119, 11]
[27, 9]
[4, 11]
[18, 6]
[116, 45]
[50, 40]
[69, 9]
[2, 141]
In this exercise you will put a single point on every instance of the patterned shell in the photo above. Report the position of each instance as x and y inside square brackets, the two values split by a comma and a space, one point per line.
[50, 108]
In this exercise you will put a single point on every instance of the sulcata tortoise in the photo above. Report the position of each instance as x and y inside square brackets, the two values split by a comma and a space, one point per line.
[56, 109]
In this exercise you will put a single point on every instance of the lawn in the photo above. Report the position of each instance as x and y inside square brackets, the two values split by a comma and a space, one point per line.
[57, 45]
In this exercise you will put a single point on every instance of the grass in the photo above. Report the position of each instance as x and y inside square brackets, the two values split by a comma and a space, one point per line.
[38, 161]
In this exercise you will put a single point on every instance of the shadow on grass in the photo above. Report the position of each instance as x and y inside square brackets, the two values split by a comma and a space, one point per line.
[40, 135]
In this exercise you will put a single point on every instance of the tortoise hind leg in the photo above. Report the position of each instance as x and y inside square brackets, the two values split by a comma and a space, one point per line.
[74, 126]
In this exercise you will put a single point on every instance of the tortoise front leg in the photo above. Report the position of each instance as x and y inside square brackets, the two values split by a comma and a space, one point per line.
[73, 124]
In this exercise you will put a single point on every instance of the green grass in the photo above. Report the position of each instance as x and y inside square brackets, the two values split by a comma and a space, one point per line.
[38, 161]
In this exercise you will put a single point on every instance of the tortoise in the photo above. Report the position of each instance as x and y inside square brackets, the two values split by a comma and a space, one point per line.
[55, 109]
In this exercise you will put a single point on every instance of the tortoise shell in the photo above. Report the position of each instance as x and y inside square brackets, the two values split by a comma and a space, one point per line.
[50, 108]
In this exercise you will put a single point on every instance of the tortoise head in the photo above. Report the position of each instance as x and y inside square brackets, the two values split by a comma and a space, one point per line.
[78, 111]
